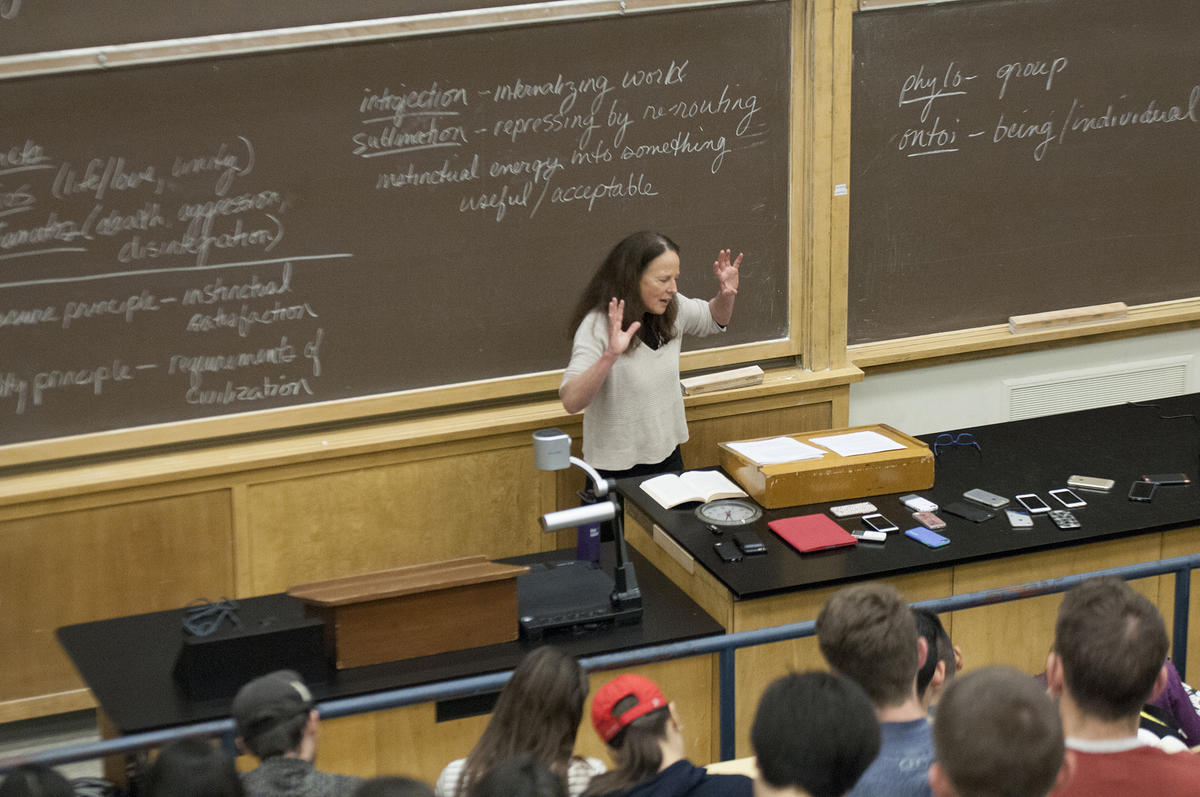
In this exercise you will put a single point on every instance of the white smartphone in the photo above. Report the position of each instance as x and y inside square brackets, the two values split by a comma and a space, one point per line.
[1067, 498]
[1018, 519]
[878, 522]
[1033, 504]
[918, 504]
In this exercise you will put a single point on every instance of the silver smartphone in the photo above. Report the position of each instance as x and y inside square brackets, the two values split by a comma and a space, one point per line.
[984, 498]
[1090, 483]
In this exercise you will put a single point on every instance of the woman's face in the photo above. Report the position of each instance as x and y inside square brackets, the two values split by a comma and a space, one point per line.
[657, 286]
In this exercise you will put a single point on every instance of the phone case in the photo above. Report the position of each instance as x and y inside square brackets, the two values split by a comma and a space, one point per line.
[748, 543]
[927, 537]
[727, 551]
[929, 520]
[972, 513]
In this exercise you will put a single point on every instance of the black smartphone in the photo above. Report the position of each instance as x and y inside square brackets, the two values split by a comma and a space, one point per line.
[964, 510]
[748, 542]
[1167, 478]
[1142, 491]
[727, 551]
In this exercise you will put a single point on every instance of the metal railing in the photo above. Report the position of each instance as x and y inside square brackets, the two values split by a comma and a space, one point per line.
[725, 645]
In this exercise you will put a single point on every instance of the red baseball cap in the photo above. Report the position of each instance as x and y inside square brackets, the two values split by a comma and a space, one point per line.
[649, 697]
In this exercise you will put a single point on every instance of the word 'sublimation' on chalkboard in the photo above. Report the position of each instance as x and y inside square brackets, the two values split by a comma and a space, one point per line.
[195, 239]
[1021, 156]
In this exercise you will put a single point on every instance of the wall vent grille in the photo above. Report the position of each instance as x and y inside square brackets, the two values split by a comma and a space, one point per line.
[1097, 387]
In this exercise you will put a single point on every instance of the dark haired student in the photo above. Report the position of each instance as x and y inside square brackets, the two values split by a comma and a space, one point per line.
[624, 368]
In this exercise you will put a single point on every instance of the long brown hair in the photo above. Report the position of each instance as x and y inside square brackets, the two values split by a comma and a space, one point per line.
[538, 712]
[620, 275]
[636, 750]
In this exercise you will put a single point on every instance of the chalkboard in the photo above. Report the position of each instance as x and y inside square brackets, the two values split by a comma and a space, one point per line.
[1020, 156]
[190, 240]
[30, 26]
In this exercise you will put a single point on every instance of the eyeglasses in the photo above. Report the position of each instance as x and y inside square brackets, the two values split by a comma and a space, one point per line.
[945, 440]
[202, 618]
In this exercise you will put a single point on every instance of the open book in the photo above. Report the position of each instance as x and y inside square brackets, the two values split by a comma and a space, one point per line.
[695, 485]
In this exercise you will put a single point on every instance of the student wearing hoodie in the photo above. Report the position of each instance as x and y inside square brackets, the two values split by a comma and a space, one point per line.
[645, 739]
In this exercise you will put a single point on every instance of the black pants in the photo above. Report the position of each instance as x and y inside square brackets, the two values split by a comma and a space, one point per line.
[673, 463]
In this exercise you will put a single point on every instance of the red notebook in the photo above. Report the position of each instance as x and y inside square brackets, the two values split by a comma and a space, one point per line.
[808, 533]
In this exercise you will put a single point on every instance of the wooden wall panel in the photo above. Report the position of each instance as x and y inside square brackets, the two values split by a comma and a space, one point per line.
[1020, 633]
[390, 515]
[72, 567]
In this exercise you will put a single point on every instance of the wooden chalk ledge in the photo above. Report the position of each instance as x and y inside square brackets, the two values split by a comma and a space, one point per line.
[738, 377]
[1065, 318]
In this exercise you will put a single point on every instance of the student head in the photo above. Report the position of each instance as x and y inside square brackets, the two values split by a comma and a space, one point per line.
[997, 734]
[1110, 645]
[274, 714]
[393, 786]
[520, 775]
[942, 659]
[35, 780]
[815, 732]
[632, 716]
[192, 768]
[621, 276]
[538, 712]
[867, 633]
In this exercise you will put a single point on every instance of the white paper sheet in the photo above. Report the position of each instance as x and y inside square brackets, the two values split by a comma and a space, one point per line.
[776, 450]
[852, 444]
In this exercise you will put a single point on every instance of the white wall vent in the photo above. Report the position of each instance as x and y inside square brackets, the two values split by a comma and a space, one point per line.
[1066, 391]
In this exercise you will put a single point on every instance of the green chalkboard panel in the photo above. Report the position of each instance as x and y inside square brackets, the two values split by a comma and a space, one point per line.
[1019, 156]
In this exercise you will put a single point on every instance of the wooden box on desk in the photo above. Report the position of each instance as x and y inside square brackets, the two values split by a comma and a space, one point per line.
[415, 611]
[834, 477]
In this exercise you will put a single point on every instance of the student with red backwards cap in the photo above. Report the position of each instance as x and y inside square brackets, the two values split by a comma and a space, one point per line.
[645, 739]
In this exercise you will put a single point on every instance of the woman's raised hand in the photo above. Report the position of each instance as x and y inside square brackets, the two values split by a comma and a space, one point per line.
[727, 271]
[618, 338]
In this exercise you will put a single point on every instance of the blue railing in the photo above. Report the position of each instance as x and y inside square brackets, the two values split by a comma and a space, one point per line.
[724, 645]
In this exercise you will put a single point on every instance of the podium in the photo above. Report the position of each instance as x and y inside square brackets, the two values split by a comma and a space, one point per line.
[415, 611]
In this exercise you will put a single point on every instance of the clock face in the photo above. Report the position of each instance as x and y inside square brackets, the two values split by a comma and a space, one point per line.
[728, 512]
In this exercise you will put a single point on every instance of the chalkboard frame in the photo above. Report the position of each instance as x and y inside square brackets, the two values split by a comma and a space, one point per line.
[1173, 313]
[507, 392]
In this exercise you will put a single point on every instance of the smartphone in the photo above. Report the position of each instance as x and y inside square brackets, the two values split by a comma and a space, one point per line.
[1142, 491]
[1090, 483]
[1067, 498]
[748, 543]
[929, 520]
[990, 500]
[1033, 504]
[878, 522]
[1167, 478]
[968, 511]
[727, 551]
[927, 537]
[1018, 519]
[869, 536]
[918, 504]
